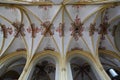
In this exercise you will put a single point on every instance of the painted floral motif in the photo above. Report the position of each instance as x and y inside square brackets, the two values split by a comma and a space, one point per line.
[6, 30]
[104, 25]
[47, 31]
[60, 29]
[19, 29]
[77, 28]
[78, 6]
[45, 7]
[92, 29]
[34, 30]
[103, 28]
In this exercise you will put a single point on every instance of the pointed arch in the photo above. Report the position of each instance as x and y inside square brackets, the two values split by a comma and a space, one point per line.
[110, 61]
[39, 58]
[11, 63]
[87, 57]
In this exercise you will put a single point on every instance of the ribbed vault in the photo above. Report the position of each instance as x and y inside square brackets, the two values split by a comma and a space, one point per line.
[60, 26]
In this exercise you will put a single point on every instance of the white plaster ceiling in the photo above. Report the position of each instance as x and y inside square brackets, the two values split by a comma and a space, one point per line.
[55, 14]
[57, 1]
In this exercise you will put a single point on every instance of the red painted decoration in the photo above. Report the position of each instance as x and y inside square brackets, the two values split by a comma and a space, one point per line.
[34, 30]
[77, 28]
[92, 29]
[19, 29]
[6, 30]
[47, 29]
[45, 7]
[104, 26]
[60, 29]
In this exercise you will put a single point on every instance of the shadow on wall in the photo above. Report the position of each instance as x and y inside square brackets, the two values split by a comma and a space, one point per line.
[13, 70]
[111, 65]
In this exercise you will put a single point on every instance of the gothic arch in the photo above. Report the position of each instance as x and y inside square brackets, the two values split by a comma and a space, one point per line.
[9, 64]
[110, 60]
[12, 74]
[89, 59]
[39, 58]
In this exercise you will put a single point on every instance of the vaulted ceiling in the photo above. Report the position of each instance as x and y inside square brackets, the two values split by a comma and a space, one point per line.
[58, 1]
[59, 27]
[33, 26]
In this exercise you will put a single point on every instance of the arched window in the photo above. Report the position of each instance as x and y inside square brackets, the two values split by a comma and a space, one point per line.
[13, 70]
[111, 65]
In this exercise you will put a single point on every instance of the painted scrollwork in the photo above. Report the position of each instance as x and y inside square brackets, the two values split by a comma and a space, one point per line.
[45, 7]
[104, 25]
